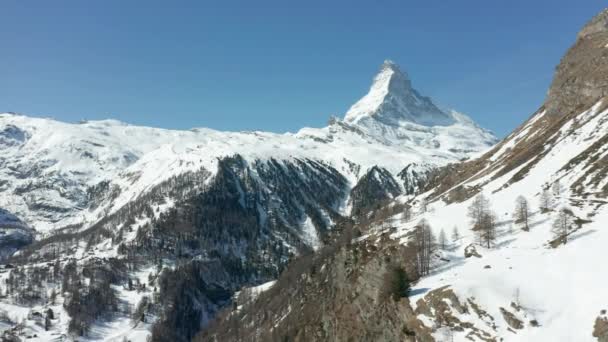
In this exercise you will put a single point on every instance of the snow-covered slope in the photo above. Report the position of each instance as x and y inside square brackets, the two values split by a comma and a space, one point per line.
[195, 214]
[523, 283]
[560, 288]
[530, 285]
[48, 167]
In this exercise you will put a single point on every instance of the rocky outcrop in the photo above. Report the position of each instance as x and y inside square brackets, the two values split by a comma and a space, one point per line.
[14, 234]
[337, 295]
[600, 328]
[511, 319]
[373, 190]
[581, 78]
[471, 251]
[415, 177]
[443, 307]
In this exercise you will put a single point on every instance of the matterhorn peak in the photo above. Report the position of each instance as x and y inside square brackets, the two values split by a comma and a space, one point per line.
[392, 100]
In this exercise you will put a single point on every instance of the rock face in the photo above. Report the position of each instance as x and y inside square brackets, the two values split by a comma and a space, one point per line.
[338, 295]
[471, 251]
[511, 319]
[415, 177]
[14, 234]
[600, 328]
[392, 100]
[373, 190]
[581, 79]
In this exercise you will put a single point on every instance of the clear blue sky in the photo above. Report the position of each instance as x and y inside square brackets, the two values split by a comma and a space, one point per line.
[276, 65]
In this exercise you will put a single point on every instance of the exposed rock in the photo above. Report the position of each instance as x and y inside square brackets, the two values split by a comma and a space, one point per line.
[14, 234]
[415, 177]
[373, 190]
[335, 296]
[581, 79]
[470, 251]
[600, 328]
[511, 319]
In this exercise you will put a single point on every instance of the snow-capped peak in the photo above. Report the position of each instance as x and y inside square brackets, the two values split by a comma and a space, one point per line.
[392, 100]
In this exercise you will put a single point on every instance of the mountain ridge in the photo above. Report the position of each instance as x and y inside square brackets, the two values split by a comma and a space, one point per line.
[79, 156]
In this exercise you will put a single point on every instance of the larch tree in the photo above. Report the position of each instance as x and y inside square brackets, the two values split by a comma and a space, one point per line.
[557, 188]
[522, 212]
[407, 212]
[424, 205]
[425, 244]
[562, 225]
[486, 230]
[546, 201]
[443, 241]
[455, 234]
[478, 209]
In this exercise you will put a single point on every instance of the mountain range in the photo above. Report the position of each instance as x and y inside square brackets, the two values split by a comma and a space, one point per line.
[117, 232]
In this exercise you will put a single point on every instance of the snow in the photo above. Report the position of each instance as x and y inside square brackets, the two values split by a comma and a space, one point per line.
[57, 162]
[310, 234]
[52, 164]
[562, 288]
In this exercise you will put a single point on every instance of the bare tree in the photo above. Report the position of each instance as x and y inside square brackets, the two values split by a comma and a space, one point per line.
[562, 225]
[407, 212]
[477, 210]
[424, 205]
[522, 212]
[486, 230]
[425, 244]
[546, 201]
[557, 188]
[443, 241]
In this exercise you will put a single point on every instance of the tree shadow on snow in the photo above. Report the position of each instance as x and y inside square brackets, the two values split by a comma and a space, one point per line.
[504, 243]
[420, 291]
[580, 235]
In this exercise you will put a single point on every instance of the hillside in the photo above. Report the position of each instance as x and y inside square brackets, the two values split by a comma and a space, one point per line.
[490, 274]
[143, 231]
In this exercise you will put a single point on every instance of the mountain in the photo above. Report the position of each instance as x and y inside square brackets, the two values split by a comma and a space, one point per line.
[143, 231]
[49, 166]
[392, 101]
[503, 272]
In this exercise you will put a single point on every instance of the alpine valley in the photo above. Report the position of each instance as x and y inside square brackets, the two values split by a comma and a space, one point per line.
[402, 221]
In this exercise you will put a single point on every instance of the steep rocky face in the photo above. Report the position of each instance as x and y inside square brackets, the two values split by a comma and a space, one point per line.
[14, 234]
[415, 177]
[341, 294]
[574, 110]
[392, 100]
[373, 190]
[581, 78]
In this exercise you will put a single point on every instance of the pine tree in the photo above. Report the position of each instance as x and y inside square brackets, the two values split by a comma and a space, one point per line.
[396, 283]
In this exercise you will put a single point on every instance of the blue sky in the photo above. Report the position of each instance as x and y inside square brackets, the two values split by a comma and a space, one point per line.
[276, 65]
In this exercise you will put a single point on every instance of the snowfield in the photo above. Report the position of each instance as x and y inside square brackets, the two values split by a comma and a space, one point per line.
[563, 288]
